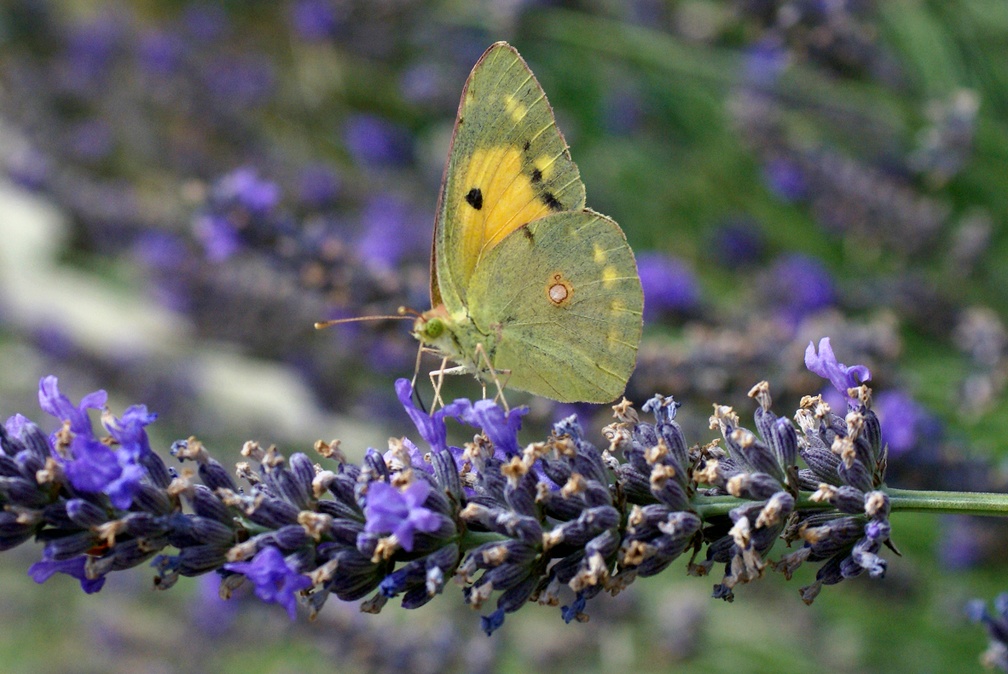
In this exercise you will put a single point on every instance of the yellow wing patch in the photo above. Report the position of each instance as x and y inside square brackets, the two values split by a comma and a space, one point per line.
[501, 193]
[609, 276]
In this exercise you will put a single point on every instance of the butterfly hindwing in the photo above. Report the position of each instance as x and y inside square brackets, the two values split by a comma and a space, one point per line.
[562, 301]
[508, 166]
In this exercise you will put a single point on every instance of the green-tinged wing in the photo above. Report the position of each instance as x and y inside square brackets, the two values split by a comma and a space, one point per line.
[561, 305]
[508, 165]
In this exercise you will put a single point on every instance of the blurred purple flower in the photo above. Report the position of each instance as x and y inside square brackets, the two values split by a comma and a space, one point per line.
[401, 513]
[206, 22]
[738, 242]
[785, 179]
[246, 189]
[241, 81]
[764, 62]
[219, 237]
[669, 286]
[313, 20]
[160, 52]
[390, 230]
[165, 255]
[90, 48]
[373, 141]
[961, 546]
[622, 110]
[422, 82]
[91, 140]
[826, 366]
[390, 354]
[905, 423]
[799, 285]
[318, 186]
[45, 569]
[274, 580]
[996, 623]
[211, 614]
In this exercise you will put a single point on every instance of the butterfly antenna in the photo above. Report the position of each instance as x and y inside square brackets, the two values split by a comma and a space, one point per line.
[319, 325]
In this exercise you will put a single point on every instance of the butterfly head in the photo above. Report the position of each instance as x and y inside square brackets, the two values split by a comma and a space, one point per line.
[431, 328]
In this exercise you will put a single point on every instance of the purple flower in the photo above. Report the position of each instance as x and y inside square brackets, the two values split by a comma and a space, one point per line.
[45, 569]
[501, 428]
[402, 513]
[274, 580]
[826, 366]
[669, 286]
[58, 405]
[431, 426]
[93, 466]
[129, 430]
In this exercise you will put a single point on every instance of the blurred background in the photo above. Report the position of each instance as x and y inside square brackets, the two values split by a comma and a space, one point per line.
[186, 186]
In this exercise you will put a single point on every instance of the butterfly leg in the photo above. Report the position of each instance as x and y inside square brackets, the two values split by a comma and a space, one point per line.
[437, 381]
[482, 359]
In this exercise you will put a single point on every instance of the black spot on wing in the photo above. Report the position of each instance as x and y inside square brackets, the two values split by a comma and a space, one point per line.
[527, 145]
[527, 232]
[536, 176]
[474, 198]
[552, 202]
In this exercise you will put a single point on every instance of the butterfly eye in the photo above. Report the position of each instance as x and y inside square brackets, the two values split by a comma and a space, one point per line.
[433, 328]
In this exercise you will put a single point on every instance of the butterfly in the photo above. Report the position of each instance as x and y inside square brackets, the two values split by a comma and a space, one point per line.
[528, 286]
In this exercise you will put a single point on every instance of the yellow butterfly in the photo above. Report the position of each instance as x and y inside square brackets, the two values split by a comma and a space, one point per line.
[527, 284]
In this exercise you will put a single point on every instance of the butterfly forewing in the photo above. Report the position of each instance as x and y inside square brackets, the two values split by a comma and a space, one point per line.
[562, 302]
[508, 166]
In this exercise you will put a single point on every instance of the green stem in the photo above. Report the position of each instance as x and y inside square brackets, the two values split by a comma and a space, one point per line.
[901, 500]
[959, 502]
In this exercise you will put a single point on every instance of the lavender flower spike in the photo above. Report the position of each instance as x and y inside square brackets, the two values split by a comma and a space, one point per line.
[826, 366]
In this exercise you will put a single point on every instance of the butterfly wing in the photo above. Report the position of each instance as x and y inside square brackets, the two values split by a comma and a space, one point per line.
[561, 300]
[508, 165]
